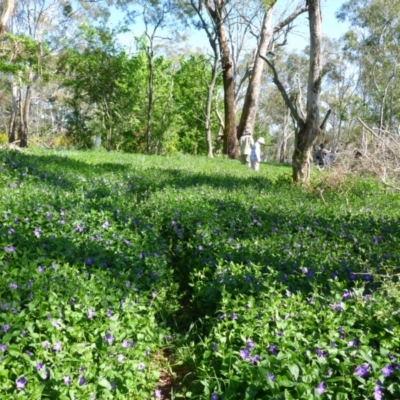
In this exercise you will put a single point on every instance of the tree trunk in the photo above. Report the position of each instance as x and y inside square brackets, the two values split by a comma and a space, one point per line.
[24, 107]
[230, 140]
[210, 91]
[307, 133]
[14, 112]
[8, 8]
[150, 100]
[250, 105]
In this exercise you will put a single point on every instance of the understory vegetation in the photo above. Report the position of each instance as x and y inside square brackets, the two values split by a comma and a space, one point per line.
[143, 277]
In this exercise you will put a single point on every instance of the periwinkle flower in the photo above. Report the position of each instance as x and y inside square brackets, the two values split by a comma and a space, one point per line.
[45, 344]
[387, 370]
[249, 344]
[13, 286]
[89, 261]
[378, 391]
[90, 313]
[157, 394]
[244, 354]
[57, 346]
[234, 316]
[67, 380]
[214, 396]
[255, 359]
[362, 370]
[120, 358]
[9, 249]
[222, 316]
[352, 343]
[37, 232]
[40, 268]
[109, 338]
[79, 228]
[215, 347]
[6, 328]
[20, 383]
[28, 353]
[141, 367]
[113, 385]
[273, 349]
[346, 295]
[271, 377]
[320, 388]
[320, 353]
[39, 366]
[56, 324]
[81, 380]
[3, 348]
[105, 225]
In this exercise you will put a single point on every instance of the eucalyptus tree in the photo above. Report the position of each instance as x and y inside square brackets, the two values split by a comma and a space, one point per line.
[373, 42]
[307, 121]
[265, 42]
[7, 9]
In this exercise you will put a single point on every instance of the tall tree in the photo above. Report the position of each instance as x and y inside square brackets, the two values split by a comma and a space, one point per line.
[217, 9]
[307, 123]
[250, 106]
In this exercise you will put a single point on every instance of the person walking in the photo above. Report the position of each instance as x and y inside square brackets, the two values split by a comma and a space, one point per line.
[255, 156]
[246, 142]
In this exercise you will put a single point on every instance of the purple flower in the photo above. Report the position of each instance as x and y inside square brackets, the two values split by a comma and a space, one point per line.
[157, 394]
[79, 228]
[222, 316]
[234, 316]
[378, 391]
[9, 249]
[337, 307]
[67, 380]
[81, 381]
[352, 343]
[387, 370]
[57, 346]
[141, 367]
[271, 377]
[244, 353]
[56, 324]
[105, 225]
[120, 358]
[20, 383]
[28, 353]
[273, 349]
[346, 295]
[362, 370]
[320, 353]
[113, 386]
[90, 313]
[6, 328]
[215, 347]
[249, 344]
[255, 359]
[320, 388]
[37, 232]
[214, 396]
[13, 286]
[39, 366]
[3, 348]
[89, 261]
[109, 338]
[45, 345]
[40, 268]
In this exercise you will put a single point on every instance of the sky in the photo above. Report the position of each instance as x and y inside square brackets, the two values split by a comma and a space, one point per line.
[298, 40]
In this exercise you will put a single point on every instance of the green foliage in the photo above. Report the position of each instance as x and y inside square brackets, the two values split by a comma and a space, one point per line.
[252, 287]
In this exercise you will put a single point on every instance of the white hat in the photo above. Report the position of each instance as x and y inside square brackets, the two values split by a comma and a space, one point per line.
[261, 140]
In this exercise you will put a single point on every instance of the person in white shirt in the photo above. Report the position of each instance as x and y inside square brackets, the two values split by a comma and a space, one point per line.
[246, 142]
[255, 155]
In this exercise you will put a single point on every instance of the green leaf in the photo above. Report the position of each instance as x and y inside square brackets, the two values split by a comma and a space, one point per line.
[104, 383]
[294, 370]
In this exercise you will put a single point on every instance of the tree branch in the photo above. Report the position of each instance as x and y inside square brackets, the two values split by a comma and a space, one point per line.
[284, 94]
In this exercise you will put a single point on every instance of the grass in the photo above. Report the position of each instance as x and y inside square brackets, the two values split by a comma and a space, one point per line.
[132, 276]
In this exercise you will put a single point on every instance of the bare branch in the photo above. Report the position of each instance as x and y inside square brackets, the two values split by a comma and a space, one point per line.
[284, 94]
